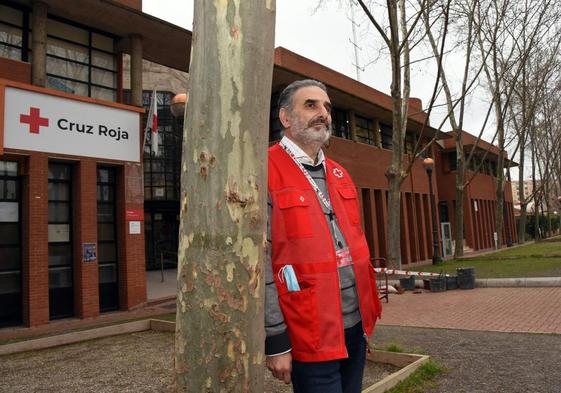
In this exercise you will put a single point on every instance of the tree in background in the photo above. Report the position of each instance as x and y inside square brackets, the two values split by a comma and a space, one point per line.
[509, 30]
[398, 24]
[219, 341]
[535, 101]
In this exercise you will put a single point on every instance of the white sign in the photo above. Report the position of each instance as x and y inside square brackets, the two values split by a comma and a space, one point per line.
[41, 122]
[134, 227]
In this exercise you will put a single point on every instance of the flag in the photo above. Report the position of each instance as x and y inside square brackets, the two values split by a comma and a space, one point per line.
[152, 122]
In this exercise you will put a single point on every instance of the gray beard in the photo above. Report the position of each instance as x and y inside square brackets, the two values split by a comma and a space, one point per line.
[312, 138]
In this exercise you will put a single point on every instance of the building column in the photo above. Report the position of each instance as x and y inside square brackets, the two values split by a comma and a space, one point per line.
[136, 70]
[86, 274]
[35, 267]
[132, 265]
[39, 44]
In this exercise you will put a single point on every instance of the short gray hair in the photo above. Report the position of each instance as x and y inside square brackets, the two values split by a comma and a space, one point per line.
[285, 98]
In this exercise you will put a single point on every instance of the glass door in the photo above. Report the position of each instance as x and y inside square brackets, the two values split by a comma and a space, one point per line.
[107, 240]
[10, 246]
[61, 288]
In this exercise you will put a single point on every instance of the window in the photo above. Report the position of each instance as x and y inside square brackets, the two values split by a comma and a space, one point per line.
[409, 143]
[386, 132]
[61, 293]
[13, 42]
[80, 60]
[453, 160]
[162, 173]
[492, 168]
[107, 240]
[364, 130]
[10, 252]
[340, 123]
[275, 127]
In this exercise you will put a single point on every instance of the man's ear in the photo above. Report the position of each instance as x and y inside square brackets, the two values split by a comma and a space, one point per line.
[283, 117]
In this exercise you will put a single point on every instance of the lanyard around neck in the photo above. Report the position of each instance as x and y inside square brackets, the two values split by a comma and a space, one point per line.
[312, 182]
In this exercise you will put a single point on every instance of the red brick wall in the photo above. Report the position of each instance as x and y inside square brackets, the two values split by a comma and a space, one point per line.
[14, 70]
[132, 274]
[35, 241]
[86, 274]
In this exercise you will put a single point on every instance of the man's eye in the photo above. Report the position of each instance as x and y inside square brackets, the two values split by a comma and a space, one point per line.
[310, 105]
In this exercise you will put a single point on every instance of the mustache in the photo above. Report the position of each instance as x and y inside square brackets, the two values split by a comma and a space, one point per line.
[318, 121]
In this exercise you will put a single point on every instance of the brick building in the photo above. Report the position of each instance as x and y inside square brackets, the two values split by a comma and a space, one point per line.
[71, 175]
[82, 216]
[480, 197]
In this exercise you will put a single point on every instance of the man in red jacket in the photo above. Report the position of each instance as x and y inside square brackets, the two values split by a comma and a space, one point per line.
[321, 300]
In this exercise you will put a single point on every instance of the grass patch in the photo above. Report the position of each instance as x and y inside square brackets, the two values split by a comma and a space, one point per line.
[393, 347]
[540, 259]
[421, 380]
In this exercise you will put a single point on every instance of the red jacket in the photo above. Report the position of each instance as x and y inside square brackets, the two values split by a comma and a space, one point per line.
[301, 238]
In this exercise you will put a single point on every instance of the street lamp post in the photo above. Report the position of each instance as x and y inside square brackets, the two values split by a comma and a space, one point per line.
[428, 164]
[559, 199]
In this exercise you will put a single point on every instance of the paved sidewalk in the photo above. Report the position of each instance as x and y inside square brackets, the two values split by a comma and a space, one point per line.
[534, 310]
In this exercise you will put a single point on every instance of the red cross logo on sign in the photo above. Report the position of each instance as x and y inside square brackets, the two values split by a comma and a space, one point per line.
[34, 120]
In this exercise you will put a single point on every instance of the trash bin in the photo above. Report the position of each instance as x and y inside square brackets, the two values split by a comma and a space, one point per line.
[451, 282]
[466, 277]
[438, 284]
[407, 283]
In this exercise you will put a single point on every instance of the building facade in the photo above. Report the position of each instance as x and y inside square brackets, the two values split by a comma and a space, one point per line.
[86, 208]
[480, 195]
[71, 158]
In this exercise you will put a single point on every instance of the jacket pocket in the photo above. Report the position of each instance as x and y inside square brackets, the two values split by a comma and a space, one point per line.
[301, 315]
[295, 209]
[350, 201]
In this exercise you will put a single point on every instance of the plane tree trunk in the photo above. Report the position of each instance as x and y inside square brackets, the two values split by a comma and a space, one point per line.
[219, 340]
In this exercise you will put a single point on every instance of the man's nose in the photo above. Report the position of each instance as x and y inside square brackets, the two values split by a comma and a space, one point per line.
[323, 112]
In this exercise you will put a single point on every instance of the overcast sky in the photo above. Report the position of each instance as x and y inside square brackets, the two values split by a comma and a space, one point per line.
[326, 37]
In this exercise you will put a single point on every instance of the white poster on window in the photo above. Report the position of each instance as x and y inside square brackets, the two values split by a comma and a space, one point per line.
[59, 233]
[41, 122]
[9, 212]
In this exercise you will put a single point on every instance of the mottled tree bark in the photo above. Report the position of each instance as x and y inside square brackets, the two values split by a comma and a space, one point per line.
[219, 341]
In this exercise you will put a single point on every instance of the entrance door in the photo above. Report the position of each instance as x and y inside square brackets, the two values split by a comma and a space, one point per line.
[107, 240]
[162, 234]
[446, 231]
[10, 251]
[61, 287]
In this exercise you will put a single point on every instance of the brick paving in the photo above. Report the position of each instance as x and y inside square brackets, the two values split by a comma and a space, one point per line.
[523, 310]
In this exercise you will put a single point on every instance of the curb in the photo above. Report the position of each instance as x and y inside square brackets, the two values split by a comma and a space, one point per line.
[522, 282]
[74, 337]
[407, 362]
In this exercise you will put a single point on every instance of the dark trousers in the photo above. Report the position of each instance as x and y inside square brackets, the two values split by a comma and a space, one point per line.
[337, 376]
